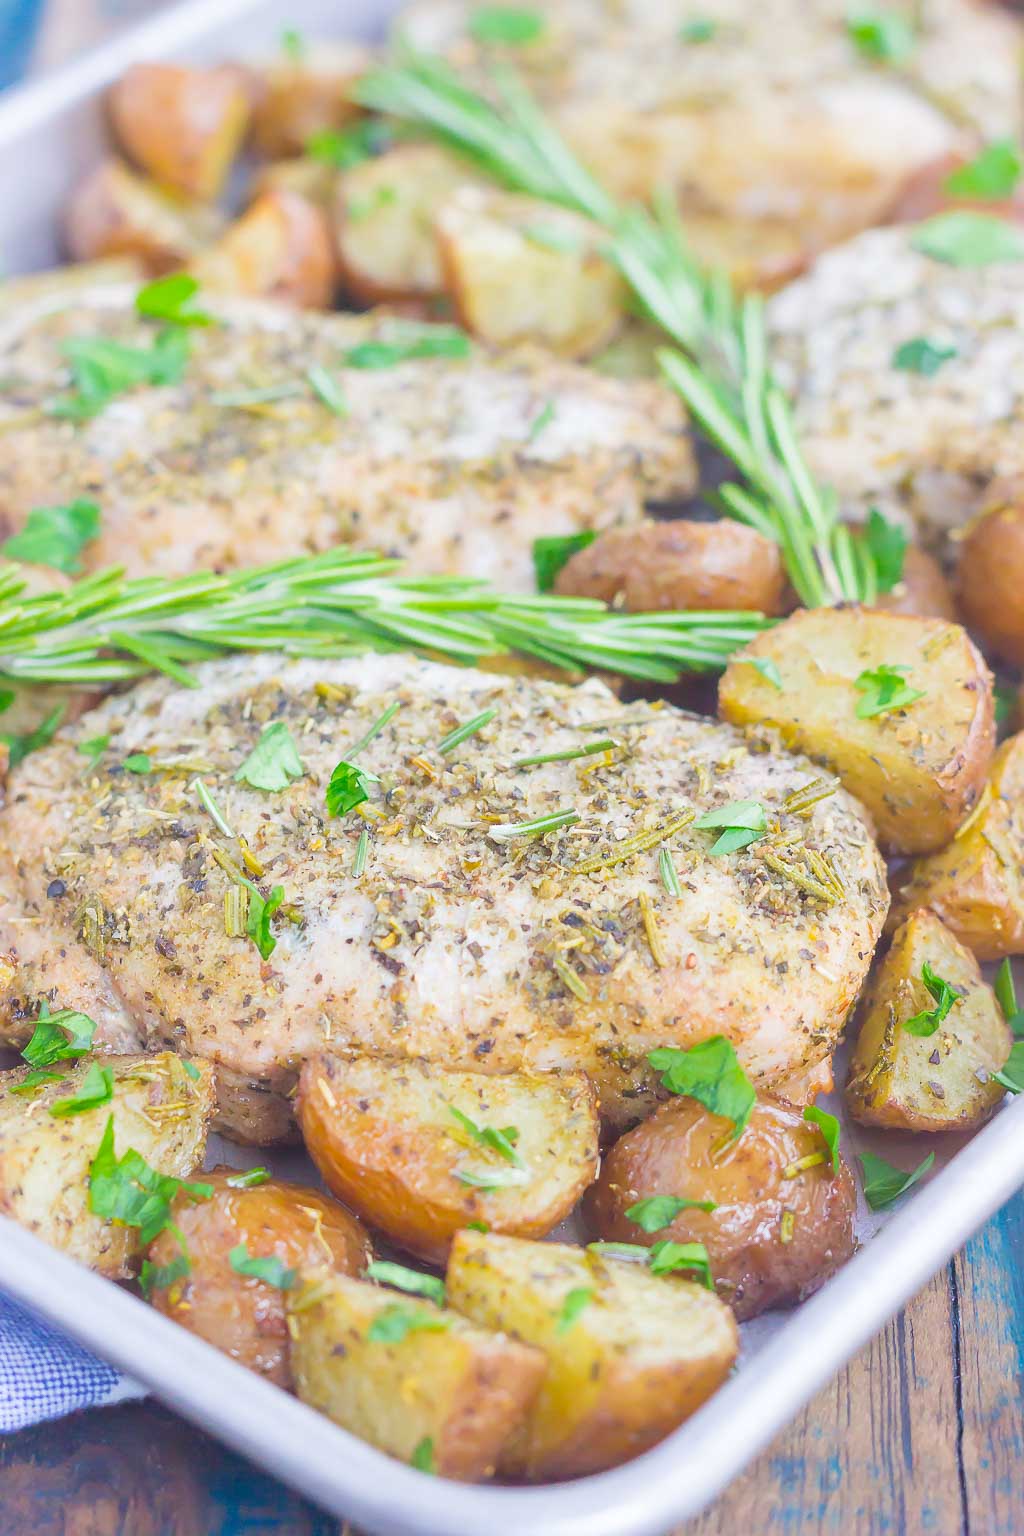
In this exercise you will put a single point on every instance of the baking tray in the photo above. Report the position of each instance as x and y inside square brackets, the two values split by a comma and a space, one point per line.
[49, 134]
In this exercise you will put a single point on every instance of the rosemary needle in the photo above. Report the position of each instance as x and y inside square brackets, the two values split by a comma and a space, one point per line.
[669, 874]
[535, 828]
[210, 804]
[362, 846]
[568, 755]
[376, 728]
[463, 732]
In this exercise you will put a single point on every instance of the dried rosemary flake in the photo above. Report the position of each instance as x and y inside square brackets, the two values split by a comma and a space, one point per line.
[577, 986]
[631, 846]
[801, 801]
[786, 1228]
[535, 828]
[236, 911]
[812, 1160]
[669, 873]
[570, 753]
[652, 930]
[362, 848]
[801, 877]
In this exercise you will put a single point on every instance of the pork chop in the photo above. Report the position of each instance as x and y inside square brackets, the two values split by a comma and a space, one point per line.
[783, 128]
[461, 941]
[925, 444]
[457, 463]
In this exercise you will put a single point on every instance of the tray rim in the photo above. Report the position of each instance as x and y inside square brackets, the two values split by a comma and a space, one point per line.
[645, 1497]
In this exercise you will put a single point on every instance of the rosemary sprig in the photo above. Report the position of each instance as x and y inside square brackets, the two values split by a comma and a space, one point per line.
[724, 376]
[108, 628]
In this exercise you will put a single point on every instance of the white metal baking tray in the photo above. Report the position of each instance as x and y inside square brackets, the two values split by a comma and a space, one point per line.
[49, 133]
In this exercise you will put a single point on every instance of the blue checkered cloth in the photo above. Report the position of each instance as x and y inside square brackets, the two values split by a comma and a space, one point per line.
[44, 1374]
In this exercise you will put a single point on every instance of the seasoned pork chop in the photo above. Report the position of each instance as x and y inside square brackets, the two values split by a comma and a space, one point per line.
[780, 132]
[458, 942]
[925, 443]
[457, 463]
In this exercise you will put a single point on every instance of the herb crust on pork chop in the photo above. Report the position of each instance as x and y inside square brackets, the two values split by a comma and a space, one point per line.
[456, 460]
[443, 933]
[919, 438]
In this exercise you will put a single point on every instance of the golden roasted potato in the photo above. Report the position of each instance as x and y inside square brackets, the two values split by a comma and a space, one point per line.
[678, 564]
[114, 212]
[991, 573]
[158, 1109]
[630, 1354]
[312, 179]
[902, 1076]
[242, 1314]
[783, 1219]
[411, 1378]
[901, 708]
[521, 270]
[413, 1147]
[279, 249]
[976, 883]
[302, 93]
[384, 222]
[182, 125]
[923, 589]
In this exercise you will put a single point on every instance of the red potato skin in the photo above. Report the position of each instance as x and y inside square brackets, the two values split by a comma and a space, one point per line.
[990, 577]
[925, 194]
[683, 1150]
[923, 590]
[184, 126]
[281, 248]
[243, 1316]
[678, 565]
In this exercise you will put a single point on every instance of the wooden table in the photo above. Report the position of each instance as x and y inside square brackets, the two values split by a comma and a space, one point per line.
[922, 1433]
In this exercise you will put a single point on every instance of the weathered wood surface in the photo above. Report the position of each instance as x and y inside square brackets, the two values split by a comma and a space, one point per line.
[922, 1433]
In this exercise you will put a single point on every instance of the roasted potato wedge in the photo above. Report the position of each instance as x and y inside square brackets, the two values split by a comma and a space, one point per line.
[917, 767]
[242, 1314]
[976, 883]
[114, 212]
[520, 270]
[384, 221]
[419, 1382]
[942, 1081]
[279, 249]
[637, 1358]
[991, 573]
[298, 95]
[402, 1142]
[781, 1224]
[45, 1160]
[679, 564]
[923, 589]
[182, 125]
[312, 179]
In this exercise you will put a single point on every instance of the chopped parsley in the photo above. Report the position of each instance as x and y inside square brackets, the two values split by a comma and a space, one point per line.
[1006, 996]
[157, 1277]
[344, 148]
[743, 822]
[669, 873]
[463, 732]
[883, 1183]
[422, 1457]
[94, 748]
[59, 1037]
[270, 1270]
[102, 369]
[1011, 1074]
[946, 997]
[668, 1257]
[965, 239]
[660, 1211]
[508, 24]
[541, 421]
[503, 1142]
[393, 1324]
[349, 787]
[575, 1303]
[884, 688]
[710, 1073]
[96, 1088]
[700, 30]
[881, 35]
[406, 1280]
[170, 299]
[250, 1178]
[887, 545]
[274, 761]
[550, 554]
[138, 762]
[919, 355]
[408, 345]
[129, 1191]
[257, 920]
[993, 174]
[829, 1127]
[359, 208]
[327, 390]
[33, 1081]
[55, 536]
[19, 747]
[190, 1069]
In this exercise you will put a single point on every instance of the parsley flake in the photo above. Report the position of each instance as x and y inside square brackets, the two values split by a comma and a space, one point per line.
[883, 1183]
[829, 1127]
[349, 787]
[574, 1304]
[884, 689]
[422, 1457]
[55, 536]
[700, 30]
[1011, 1074]
[1006, 996]
[964, 239]
[33, 1081]
[157, 1277]
[96, 1088]
[503, 1142]
[919, 355]
[881, 35]
[406, 1280]
[138, 762]
[270, 1270]
[887, 546]
[170, 299]
[273, 762]
[344, 148]
[946, 997]
[710, 1073]
[409, 345]
[744, 822]
[393, 1324]
[19, 747]
[992, 175]
[506, 24]
[660, 1211]
[550, 554]
[102, 369]
[129, 1191]
[94, 748]
[257, 921]
[668, 1257]
[59, 1037]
